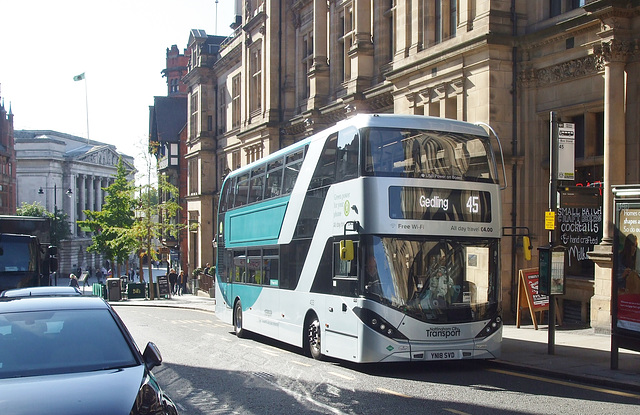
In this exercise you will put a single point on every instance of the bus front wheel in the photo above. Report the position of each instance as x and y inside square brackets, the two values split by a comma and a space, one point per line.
[313, 338]
[237, 320]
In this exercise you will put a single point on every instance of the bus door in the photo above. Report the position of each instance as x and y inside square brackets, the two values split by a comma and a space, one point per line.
[341, 333]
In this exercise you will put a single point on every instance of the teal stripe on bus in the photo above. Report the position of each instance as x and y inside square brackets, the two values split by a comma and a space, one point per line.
[256, 224]
[248, 294]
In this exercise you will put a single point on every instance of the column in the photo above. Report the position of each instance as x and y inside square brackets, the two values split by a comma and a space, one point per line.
[91, 192]
[361, 53]
[614, 54]
[614, 139]
[319, 73]
[402, 30]
[98, 194]
[82, 199]
[417, 22]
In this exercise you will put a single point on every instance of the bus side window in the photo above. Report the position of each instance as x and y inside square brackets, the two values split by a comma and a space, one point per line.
[273, 186]
[345, 273]
[270, 269]
[239, 266]
[254, 267]
[348, 148]
[257, 184]
[290, 176]
[293, 163]
[325, 172]
[224, 200]
[241, 191]
[346, 269]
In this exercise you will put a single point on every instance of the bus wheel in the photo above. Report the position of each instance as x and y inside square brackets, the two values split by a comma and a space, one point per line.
[313, 337]
[237, 320]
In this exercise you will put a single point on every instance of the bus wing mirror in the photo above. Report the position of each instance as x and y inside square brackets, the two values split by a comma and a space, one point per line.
[346, 250]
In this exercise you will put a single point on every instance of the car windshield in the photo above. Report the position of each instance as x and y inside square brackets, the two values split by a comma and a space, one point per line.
[62, 341]
[433, 280]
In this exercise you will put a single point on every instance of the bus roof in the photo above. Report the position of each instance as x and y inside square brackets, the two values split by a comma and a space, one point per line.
[418, 122]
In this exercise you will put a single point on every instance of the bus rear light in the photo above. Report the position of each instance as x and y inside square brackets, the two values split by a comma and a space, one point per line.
[491, 327]
[378, 324]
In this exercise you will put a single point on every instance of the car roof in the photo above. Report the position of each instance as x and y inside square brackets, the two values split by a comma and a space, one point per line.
[21, 304]
[40, 291]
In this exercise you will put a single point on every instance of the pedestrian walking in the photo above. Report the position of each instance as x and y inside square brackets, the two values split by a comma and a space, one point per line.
[182, 282]
[173, 280]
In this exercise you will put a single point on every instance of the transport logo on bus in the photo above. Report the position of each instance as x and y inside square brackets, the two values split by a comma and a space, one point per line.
[443, 332]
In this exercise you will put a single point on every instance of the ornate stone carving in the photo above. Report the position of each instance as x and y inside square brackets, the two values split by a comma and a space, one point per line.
[103, 157]
[616, 50]
[566, 70]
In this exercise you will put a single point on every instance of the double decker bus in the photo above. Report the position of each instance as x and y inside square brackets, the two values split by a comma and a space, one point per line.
[376, 240]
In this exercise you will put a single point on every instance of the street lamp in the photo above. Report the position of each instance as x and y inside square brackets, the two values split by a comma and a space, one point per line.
[55, 198]
[55, 212]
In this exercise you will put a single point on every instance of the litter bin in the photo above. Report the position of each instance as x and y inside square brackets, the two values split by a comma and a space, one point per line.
[113, 289]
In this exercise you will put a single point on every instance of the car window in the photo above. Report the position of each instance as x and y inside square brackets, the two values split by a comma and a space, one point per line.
[64, 341]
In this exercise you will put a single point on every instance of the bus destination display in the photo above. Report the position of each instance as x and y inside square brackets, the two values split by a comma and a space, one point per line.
[422, 203]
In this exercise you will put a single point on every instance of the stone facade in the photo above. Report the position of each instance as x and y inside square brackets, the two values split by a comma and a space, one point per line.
[70, 173]
[287, 72]
[7, 163]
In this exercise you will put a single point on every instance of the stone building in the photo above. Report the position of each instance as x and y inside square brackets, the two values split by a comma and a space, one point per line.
[168, 123]
[201, 146]
[7, 163]
[293, 67]
[70, 173]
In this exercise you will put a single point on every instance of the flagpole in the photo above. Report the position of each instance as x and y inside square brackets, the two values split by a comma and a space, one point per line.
[83, 77]
[86, 104]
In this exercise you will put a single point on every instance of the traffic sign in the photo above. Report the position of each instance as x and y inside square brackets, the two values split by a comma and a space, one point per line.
[550, 220]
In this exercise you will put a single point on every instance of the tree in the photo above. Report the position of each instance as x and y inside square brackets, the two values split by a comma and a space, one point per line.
[112, 225]
[156, 217]
[59, 221]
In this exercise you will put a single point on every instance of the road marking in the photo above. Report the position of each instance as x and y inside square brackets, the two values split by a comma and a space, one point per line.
[564, 383]
[390, 392]
[342, 376]
[453, 411]
[269, 352]
[300, 363]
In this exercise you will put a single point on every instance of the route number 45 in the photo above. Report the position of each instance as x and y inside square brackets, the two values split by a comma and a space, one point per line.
[473, 205]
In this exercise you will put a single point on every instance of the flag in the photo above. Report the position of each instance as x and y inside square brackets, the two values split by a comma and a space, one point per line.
[79, 77]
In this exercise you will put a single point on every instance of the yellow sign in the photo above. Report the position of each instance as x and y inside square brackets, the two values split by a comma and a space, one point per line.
[549, 220]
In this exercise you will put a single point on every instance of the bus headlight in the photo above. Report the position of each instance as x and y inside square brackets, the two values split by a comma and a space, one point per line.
[378, 324]
[492, 326]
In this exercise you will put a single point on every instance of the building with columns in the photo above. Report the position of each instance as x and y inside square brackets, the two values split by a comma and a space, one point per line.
[70, 173]
[294, 67]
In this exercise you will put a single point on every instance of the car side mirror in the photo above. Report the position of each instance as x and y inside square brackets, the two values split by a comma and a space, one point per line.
[152, 356]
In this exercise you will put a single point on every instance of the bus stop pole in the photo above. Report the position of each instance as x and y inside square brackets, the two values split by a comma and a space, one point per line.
[553, 206]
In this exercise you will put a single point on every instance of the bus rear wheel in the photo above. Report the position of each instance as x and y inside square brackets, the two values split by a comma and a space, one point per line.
[237, 320]
[313, 339]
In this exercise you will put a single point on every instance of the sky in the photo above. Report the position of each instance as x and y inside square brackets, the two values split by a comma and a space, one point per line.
[120, 46]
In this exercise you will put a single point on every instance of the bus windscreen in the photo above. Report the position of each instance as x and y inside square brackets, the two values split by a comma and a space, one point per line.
[427, 154]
